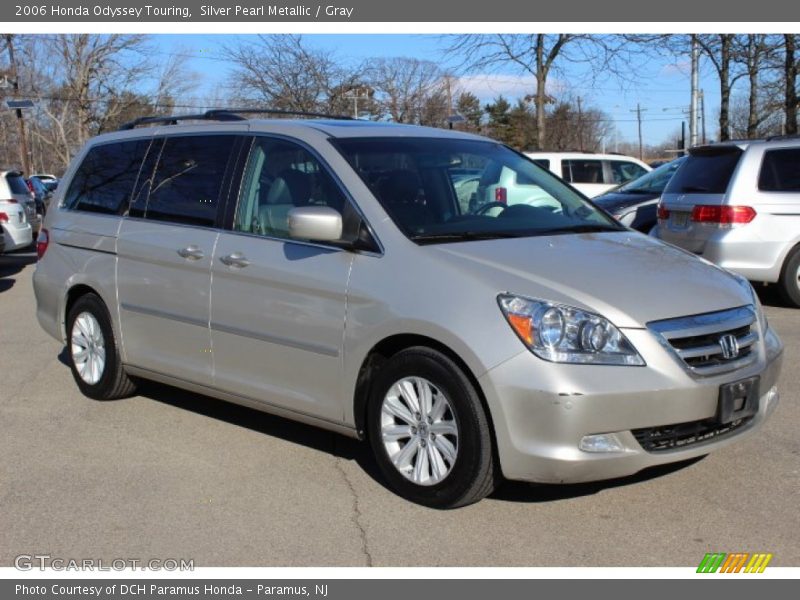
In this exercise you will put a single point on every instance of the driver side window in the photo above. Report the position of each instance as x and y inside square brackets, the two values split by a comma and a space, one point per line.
[279, 176]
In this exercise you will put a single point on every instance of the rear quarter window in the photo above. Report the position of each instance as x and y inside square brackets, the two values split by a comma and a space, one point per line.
[705, 172]
[542, 162]
[780, 171]
[105, 179]
[582, 171]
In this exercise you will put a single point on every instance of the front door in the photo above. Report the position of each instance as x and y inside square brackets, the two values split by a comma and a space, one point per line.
[278, 305]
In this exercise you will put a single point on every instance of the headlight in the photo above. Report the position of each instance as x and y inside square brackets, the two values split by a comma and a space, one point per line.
[565, 334]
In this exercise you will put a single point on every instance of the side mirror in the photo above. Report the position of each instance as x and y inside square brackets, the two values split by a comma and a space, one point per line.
[315, 223]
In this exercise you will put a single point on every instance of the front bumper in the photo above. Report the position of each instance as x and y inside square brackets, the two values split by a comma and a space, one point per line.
[542, 410]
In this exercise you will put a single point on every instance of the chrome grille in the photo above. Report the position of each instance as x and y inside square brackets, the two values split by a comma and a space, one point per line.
[711, 343]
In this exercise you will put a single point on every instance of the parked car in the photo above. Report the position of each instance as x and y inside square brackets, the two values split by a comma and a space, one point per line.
[325, 271]
[737, 204]
[591, 174]
[16, 206]
[41, 194]
[2, 241]
[635, 204]
[49, 181]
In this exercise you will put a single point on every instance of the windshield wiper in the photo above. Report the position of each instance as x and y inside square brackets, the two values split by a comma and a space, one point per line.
[593, 228]
[464, 236]
[694, 188]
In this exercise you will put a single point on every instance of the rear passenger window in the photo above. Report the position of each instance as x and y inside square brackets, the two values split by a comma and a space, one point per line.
[780, 171]
[105, 179]
[280, 176]
[624, 171]
[582, 171]
[187, 182]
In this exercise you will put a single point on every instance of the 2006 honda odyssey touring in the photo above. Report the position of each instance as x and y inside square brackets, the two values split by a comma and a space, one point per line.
[327, 271]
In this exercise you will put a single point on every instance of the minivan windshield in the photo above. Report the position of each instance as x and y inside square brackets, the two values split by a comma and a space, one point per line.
[653, 182]
[446, 189]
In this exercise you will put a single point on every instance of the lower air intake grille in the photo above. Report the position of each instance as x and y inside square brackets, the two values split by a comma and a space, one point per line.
[683, 435]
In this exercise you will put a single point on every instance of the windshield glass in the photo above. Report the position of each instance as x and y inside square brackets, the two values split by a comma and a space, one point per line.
[655, 181]
[439, 190]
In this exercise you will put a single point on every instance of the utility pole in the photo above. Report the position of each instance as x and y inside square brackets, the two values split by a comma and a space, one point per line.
[449, 102]
[356, 96]
[703, 113]
[695, 93]
[580, 125]
[23, 146]
[638, 110]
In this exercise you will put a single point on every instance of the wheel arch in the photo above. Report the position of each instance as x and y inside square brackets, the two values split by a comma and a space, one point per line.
[382, 351]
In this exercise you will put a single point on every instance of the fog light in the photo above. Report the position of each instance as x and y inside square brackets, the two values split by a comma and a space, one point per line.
[601, 442]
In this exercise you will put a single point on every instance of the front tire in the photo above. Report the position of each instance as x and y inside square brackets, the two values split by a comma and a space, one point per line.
[790, 279]
[429, 431]
[93, 351]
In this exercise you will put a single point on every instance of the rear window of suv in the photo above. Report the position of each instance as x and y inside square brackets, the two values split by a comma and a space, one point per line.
[17, 184]
[706, 171]
[780, 171]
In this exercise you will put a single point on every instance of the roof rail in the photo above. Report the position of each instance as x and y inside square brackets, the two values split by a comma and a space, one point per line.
[785, 136]
[273, 111]
[223, 114]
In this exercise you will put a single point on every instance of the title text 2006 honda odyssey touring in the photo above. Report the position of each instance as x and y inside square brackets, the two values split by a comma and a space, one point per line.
[326, 270]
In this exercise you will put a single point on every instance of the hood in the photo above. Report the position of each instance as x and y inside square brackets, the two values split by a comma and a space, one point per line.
[625, 276]
[616, 202]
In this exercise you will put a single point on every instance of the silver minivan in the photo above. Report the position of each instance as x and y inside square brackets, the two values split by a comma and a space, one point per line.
[325, 271]
[737, 204]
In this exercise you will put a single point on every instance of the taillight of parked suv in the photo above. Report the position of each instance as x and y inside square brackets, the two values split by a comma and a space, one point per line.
[663, 212]
[722, 215]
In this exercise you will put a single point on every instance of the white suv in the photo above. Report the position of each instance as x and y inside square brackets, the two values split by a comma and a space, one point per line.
[591, 174]
[15, 206]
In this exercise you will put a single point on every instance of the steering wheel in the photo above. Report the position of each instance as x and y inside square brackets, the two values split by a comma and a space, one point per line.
[484, 208]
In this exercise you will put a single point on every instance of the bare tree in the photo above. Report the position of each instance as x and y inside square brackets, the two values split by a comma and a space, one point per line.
[283, 72]
[92, 69]
[539, 55]
[719, 48]
[533, 54]
[756, 54]
[409, 90]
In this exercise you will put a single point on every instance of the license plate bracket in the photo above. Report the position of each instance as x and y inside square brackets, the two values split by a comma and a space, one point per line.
[738, 400]
[680, 219]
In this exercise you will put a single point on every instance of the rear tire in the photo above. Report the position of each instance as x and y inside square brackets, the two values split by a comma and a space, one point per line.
[93, 351]
[790, 279]
[429, 431]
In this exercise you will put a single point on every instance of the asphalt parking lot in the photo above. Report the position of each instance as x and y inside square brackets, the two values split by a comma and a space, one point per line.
[170, 474]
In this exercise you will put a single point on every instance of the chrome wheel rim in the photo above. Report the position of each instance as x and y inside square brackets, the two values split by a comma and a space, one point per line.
[88, 348]
[419, 431]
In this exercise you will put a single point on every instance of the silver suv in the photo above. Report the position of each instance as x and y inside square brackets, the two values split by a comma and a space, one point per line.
[325, 271]
[737, 204]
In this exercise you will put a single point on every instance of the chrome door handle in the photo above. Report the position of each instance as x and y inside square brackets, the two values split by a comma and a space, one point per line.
[237, 259]
[191, 253]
